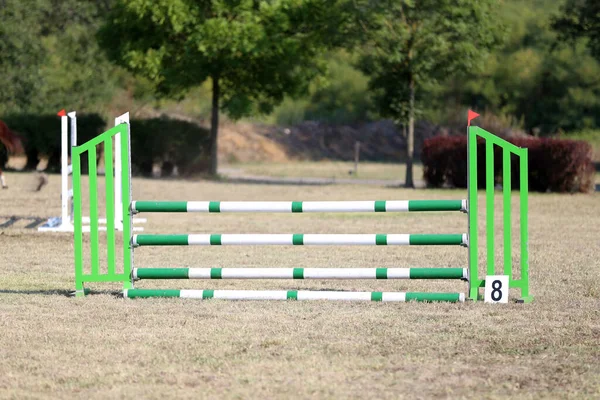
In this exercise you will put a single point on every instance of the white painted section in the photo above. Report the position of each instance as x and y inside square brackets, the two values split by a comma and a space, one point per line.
[396, 205]
[250, 294]
[257, 273]
[465, 239]
[339, 273]
[118, 169]
[324, 295]
[197, 206]
[199, 240]
[191, 294]
[73, 116]
[199, 273]
[461, 297]
[256, 206]
[338, 206]
[339, 239]
[64, 166]
[256, 239]
[398, 239]
[464, 205]
[391, 296]
[398, 273]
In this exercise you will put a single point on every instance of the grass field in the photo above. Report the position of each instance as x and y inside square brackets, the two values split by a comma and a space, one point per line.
[103, 346]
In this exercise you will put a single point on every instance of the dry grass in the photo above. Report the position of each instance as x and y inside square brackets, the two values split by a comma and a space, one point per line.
[103, 346]
[327, 169]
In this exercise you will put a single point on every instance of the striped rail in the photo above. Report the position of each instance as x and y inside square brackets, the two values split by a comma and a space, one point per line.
[298, 239]
[294, 295]
[299, 273]
[299, 206]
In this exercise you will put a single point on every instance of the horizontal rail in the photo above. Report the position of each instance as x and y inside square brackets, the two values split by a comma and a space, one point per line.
[299, 273]
[299, 206]
[299, 239]
[294, 295]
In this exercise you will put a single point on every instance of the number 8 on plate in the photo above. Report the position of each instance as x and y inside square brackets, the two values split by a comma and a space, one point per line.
[496, 289]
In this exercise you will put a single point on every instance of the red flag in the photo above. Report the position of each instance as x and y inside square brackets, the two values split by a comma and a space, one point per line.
[472, 115]
[62, 113]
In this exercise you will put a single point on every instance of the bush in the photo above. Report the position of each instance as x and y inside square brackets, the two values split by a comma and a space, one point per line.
[41, 135]
[171, 142]
[162, 140]
[555, 165]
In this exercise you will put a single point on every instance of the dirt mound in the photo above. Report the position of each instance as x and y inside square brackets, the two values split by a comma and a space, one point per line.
[380, 141]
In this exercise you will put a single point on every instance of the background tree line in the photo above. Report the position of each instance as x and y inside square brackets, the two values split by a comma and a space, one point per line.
[533, 64]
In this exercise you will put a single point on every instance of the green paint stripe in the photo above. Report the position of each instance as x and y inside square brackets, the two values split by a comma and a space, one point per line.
[381, 239]
[208, 294]
[434, 205]
[163, 273]
[298, 273]
[296, 206]
[381, 273]
[161, 206]
[443, 239]
[145, 293]
[436, 273]
[376, 296]
[298, 239]
[162, 240]
[451, 297]
[215, 239]
[215, 273]
[214, 206]
[292, 295]
[380, 206]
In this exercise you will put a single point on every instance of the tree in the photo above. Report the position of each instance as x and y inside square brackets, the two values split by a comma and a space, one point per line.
[49, 56]
[21, 54]
[411, 45]
[254, 52]
[580, 19]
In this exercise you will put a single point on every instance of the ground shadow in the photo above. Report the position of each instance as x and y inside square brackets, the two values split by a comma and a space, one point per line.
[60, 292]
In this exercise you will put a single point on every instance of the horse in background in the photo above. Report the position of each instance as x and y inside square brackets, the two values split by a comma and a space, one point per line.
[13, 145]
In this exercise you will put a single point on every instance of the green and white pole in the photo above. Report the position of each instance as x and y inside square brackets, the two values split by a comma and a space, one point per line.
[294, 295]
[299, 239]
[299, 206]
[299, 273]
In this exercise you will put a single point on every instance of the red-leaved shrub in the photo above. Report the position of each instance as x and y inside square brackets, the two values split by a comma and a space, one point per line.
[555, 165]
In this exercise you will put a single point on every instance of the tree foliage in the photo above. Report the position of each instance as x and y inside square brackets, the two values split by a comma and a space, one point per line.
[49, 56]
[580, 19]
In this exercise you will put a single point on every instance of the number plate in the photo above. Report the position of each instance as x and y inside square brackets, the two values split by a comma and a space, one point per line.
[496, 289]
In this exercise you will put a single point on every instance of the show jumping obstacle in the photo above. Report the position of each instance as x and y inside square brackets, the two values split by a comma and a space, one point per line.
[64, 223]
[128, 274]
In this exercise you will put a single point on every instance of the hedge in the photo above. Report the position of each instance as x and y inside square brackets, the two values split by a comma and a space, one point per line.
[163, 140]
[555, 165]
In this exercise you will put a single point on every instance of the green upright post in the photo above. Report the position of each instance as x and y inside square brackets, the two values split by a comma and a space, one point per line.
[506, 192]
[474, 281]
[77, 222]
[524, 189]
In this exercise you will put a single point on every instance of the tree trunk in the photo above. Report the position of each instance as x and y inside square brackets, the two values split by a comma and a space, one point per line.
[214, 126]
[410, 141]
